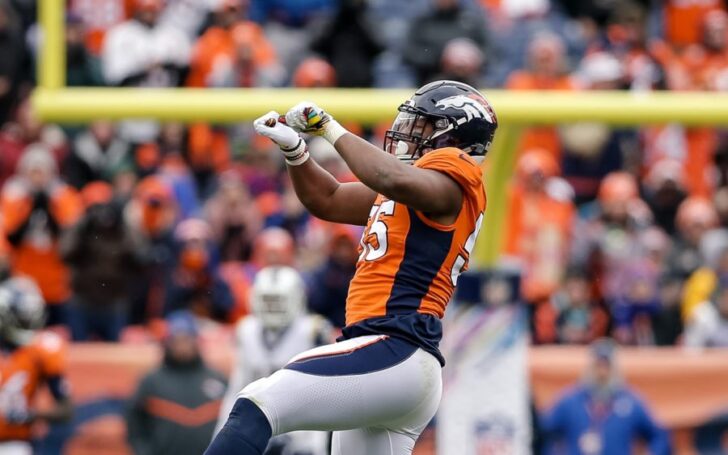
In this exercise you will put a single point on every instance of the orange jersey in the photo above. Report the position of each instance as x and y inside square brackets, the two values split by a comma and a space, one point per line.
[22, 373]
[684, 19]
[409, 264]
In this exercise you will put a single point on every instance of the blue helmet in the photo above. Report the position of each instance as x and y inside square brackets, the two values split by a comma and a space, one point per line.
[442, 114]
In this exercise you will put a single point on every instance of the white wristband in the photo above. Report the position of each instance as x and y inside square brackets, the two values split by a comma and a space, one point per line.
[300, 160]
[297, 155]
[333, 131]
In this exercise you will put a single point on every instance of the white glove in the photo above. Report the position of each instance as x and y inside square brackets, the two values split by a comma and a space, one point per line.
[306, 117]
[293, 147]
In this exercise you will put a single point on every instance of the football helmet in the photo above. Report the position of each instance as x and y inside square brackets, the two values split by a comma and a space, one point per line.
[278, 296]
[22, 310]
[442, 114]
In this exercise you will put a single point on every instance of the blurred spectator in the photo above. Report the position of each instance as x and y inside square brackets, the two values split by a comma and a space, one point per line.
[667, 323]
[706, 62]
[695, 216]
[36, 207]
[704, 66]
[429, 34]
[591, 14]
[461, 61]
[142, 53]
[290, 24]
[104, 258]
[12, 49]
[645, 61]
[234, 219]
[664, 191]
[164, 158]
[98, 154]
[593, 150]
[98, 17]
[175, 406]
[195, 283]
[546, 69]
[351, 43]
[233, 52]
[273, 246]
[611, 239]
[82, 68]
[571, 316]
[277, 329]
[602, 415]
[539, 224]
[152, 213]
[701, 284]
[684, 19]
[189, 16]
[708, 326]
[329, 284]
[314, 72]
[635, 304]
[25, 129]
[32, 360]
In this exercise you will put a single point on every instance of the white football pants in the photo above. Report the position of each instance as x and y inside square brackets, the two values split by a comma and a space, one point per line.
[375, 392]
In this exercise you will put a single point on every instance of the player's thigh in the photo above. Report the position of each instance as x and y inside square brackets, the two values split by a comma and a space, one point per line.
[352, 385]
[367, 441]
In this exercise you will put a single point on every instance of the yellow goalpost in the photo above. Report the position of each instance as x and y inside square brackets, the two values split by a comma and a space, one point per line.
[55, 102]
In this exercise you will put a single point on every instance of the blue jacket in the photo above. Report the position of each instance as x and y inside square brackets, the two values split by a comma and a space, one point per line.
[626, 421]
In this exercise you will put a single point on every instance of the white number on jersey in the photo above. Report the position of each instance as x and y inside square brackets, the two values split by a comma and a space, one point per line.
[461, 262]
[378, 228]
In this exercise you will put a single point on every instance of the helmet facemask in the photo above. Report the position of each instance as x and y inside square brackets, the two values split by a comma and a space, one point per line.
[413, 134]
[277, 310]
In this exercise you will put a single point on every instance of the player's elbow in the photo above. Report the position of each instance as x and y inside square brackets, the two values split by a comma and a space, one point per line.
[319, 207]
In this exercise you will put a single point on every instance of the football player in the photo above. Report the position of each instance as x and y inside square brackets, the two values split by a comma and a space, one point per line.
[422, 204]
[277, 329]
[31, 359]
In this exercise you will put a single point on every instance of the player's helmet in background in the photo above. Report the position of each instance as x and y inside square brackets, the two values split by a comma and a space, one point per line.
[22, 310]
[442, 114]
[278, 296]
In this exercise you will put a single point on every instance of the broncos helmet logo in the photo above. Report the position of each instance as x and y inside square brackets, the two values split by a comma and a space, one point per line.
[471, 107]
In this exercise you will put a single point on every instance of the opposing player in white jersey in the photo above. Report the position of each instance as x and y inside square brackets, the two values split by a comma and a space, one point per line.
[277, 329]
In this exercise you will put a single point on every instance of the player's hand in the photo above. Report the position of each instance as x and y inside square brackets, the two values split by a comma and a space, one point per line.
[272, 126]
[307, 117]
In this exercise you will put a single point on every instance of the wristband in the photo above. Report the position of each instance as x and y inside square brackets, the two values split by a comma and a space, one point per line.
[297, 155]
[333, 131]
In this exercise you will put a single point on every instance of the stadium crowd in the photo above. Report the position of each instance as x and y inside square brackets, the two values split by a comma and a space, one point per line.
[620, 232]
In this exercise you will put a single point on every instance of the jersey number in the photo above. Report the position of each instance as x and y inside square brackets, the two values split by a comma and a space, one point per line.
[375, 248]
[461, 262]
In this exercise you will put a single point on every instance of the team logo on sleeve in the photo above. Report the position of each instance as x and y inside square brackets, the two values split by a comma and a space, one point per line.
[471, 107]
